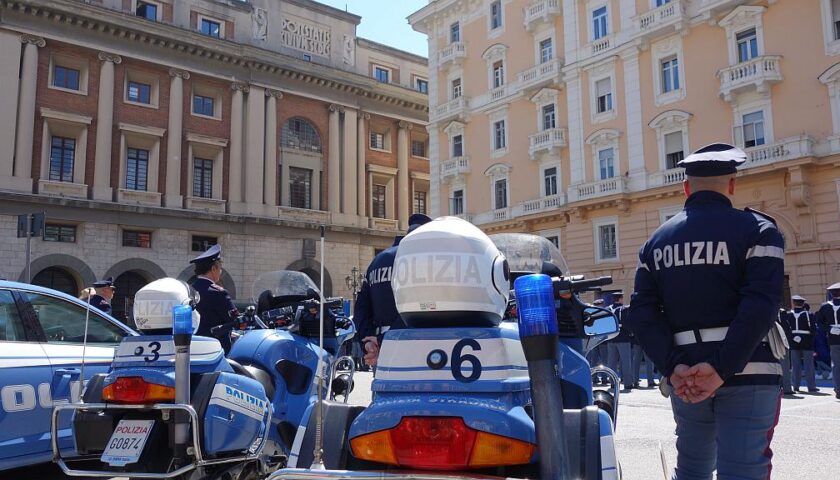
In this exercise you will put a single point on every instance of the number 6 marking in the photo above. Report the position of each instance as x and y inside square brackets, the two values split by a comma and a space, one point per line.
[458, 360]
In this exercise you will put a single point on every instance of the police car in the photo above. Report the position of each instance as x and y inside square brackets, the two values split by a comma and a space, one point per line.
[41, 333]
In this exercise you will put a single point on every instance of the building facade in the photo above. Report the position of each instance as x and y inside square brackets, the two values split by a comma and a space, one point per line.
[149, 130]
[567, 118]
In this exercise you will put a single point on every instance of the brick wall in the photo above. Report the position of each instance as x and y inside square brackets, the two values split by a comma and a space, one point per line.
[318, 115]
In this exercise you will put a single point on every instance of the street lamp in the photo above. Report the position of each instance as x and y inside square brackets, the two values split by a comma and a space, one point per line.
[354, 282]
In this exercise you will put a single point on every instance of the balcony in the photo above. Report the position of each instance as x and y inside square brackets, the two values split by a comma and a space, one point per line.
[548, 141]
[214, 205]
[759, 74]
[306, 215]
[384, 224]
[452, 54]
[542, 75]
[668, 18]
[449, 169]
[601, 188]
[452, 110]
[543, 204]
[787, 149]
[543, 11]
[672, 176]
[601, 45]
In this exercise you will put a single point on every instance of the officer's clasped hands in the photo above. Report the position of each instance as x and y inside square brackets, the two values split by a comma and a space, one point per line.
[697, 383]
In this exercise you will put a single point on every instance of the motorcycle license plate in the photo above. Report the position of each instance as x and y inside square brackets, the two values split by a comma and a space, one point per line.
[127, 441]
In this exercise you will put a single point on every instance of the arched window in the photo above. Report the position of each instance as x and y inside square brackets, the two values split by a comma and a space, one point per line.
[58, 279]
[299, 134]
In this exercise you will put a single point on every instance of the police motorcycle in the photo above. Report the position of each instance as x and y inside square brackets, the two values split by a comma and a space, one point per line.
[461, 394]
[172, 405]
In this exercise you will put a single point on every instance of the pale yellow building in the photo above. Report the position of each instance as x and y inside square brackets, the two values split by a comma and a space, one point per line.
[567, 117]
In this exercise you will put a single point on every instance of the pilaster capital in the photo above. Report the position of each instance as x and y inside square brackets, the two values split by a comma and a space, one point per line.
[239, 87]
[406, 125]
[33, 39]
[273, 93]
[110, 57]
[364, 115]
[177, 72]
[335, 108]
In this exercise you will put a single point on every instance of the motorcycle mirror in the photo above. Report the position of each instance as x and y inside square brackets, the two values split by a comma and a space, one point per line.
[598, 321]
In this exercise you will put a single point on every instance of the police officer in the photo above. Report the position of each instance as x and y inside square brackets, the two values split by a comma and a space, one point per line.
[620, 349]
[104, 293]
[214, 304]
[707, 292]
[376, 312]
[801, 341]
[829, 317]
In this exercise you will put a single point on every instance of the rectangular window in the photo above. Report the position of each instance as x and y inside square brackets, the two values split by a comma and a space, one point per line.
[211, 28]
[379, 201]
[455, 32]
[422, 85]
[606, 163]
[549, 120]
[607, 242]
[377, 140]
[603, 91]
[202, 178]
[747, 43]
[418, 148]
[546, 51]
[381, 74]
[300, 187]
[136, 169]
[498, 74]
[499, 135]
[139, 92]
[420, 202]
[134, 238]
[200, 243]
[670, 75]
[500, 193]
[753, 129]
[458, 146]
[203, 105]
[62, 156]
[60, 233]
[550, 181]
[495, 15]
[660, 3]
[457, 203]
[835, 16]
[64, 77]
[673, 149]
[146, 10]
[599, 23]
[457, 90]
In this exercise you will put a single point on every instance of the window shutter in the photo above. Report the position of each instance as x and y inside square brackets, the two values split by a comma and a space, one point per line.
[673, 142]
[602, 87]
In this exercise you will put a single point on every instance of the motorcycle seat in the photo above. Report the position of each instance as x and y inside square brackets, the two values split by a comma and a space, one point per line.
[254, 373]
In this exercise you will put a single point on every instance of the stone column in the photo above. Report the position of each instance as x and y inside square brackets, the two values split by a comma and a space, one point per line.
[235, 173]
[254, 150]
[270, 177]
[334, 166]
[361, 147]
[633, 102]
[22, 170]
[101, 189]
[348, 180]
[402, 174]
[173, 197]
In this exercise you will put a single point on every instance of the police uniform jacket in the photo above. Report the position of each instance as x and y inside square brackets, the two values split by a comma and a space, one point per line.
[829, 317]
[376, 311]
[708, 289]
[99, 302]
[214, 306]
[801, 325]
[622, 313]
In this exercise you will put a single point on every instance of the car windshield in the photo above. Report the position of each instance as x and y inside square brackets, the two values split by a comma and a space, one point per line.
[526, 253]
[287, 284]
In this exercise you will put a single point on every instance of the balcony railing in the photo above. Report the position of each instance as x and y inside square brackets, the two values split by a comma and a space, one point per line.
[451, 109]
[601, 45]
[787, 149]
[546, 140]
[601, 188]
[303, 215]
[543, 204]
[498, 93]
[454, 167]
[671, 16]
[672, 176]
[454, 53]
[539, 12]
[541, 75]
[758, 73]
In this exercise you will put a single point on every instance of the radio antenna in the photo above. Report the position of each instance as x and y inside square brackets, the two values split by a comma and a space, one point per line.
[317, 460]
[84, 352]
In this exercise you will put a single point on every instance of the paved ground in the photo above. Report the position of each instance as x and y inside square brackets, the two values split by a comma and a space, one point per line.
[805, 443]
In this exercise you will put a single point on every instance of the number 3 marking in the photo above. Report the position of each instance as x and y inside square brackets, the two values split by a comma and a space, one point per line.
[155, 347]
[458, 360]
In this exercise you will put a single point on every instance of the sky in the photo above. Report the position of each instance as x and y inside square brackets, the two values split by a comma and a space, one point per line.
[384, 21]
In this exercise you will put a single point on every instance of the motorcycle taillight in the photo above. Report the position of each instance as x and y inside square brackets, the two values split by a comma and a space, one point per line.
[137, 390]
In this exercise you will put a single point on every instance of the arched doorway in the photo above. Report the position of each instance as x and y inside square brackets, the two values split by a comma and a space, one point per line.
[59, 279]
[126, 286]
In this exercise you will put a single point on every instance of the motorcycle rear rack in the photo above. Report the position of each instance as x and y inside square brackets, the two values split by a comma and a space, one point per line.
[312, 473]
[196, 443]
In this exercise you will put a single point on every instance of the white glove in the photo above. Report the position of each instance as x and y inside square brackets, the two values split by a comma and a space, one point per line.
[797, 339]
[835, 330]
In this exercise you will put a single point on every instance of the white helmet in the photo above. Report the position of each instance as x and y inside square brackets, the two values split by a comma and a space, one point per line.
[153, 304]
[449, 273]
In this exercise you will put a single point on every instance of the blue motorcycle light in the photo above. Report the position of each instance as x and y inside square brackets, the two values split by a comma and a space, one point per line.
[182, 320]
[535, 305]
[346, 305]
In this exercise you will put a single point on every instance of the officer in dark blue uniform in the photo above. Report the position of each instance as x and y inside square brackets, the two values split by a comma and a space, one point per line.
[214, 305]
[104, 294]
[707, 293]
[828, 316]
[801, 341]
[620, 348]
[376, 312]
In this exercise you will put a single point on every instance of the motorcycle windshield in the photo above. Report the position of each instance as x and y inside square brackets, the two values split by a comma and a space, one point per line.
[527, 253]
[284, 286]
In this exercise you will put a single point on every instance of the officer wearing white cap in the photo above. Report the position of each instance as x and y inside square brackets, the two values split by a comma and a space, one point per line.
[707, 293]
[802, 330]
[104, 293]
[829, 317]
[214, 305]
